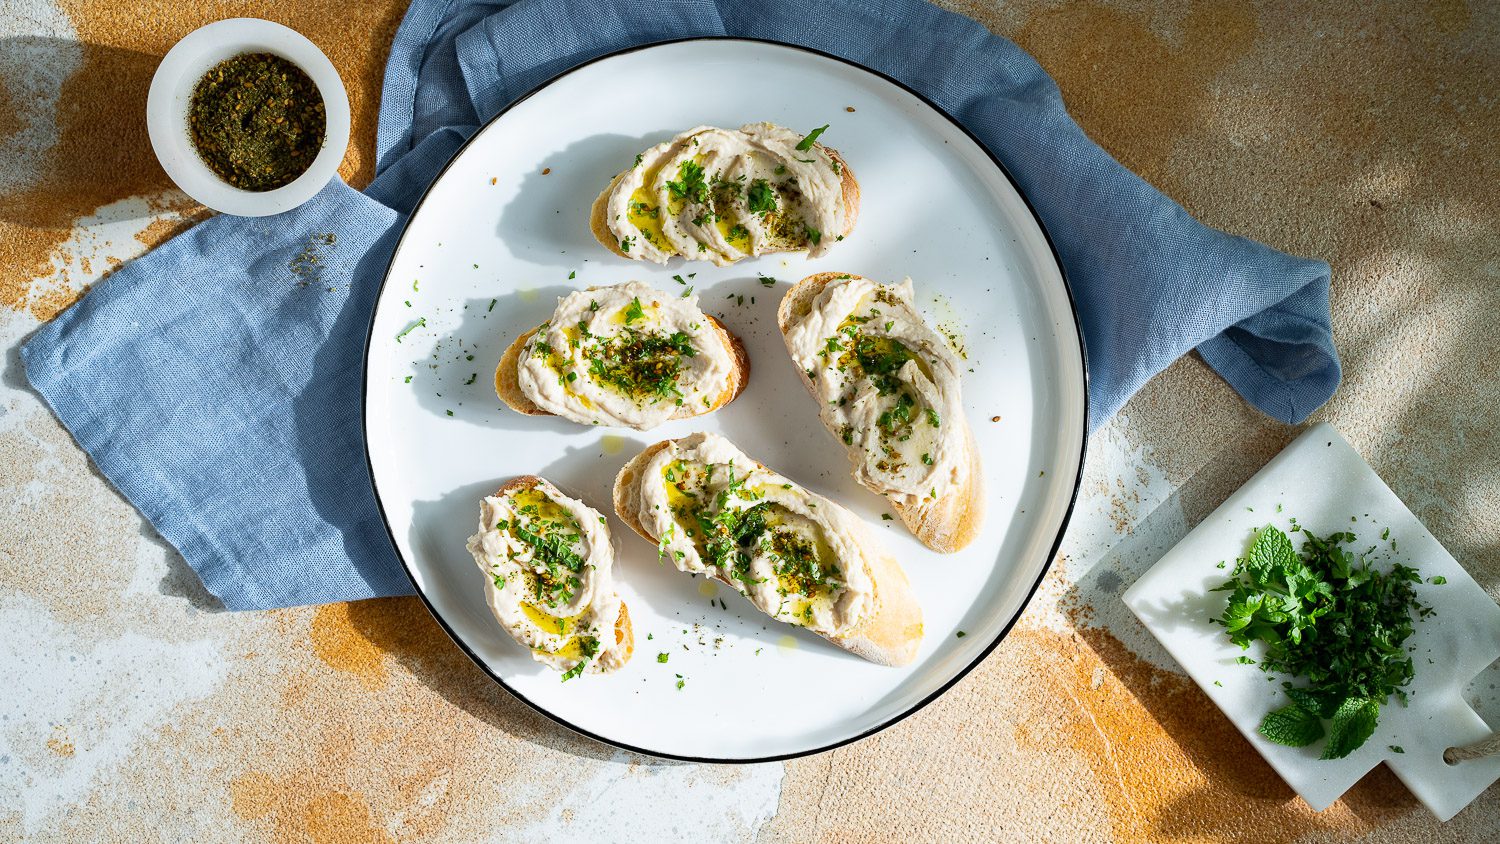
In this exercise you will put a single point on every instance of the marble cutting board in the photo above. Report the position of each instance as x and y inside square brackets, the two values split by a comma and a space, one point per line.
[1322, 482]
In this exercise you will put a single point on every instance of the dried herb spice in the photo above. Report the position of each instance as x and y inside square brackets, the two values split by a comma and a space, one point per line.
[257, 120]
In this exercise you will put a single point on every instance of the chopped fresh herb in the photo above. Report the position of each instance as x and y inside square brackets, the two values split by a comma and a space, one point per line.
[1437, 580]
[811, 138]
[472, 377]
[421, 321]
[886, 517]
[960, 634]
[767, 281]
[688, 291]
[572, 275]
[934, 421]
[689, 184]
[634, 311]
[761, 198]
[590, 647]
[408, 379]
[880, 359]
[662, 657]
[813, 235]
[1329, 619]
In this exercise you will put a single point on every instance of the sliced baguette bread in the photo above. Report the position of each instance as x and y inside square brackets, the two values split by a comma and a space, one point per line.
[628, 217]
[943, 500]
[887, 626]
[528, 598]
[709, 340]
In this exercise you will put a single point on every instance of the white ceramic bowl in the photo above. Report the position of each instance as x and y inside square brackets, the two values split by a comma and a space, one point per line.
[172, 93]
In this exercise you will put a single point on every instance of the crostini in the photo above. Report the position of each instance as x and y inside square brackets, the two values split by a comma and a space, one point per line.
[722, 195]
[627, 356]
[548, 566]
[887, 387]
[710, 509]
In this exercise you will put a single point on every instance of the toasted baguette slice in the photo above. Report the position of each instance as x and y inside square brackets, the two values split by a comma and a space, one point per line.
[945, 524]
[888, 632]
[508, 381]
[600, 564]
[599, 215]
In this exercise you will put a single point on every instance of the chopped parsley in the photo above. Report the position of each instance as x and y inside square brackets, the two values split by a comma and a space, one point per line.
[1330, 620]
[634, 311]
[761, 198]
[421, 322]
[590, 647]
[812, 137]
[880, 358]
[689, 185]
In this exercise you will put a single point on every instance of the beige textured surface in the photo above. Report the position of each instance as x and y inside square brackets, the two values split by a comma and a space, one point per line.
[135, 711]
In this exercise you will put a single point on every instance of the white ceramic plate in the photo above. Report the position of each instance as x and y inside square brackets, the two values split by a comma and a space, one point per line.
[507, 223]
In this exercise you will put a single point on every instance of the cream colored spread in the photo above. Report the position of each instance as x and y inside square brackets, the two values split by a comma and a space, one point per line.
[888, 387]
[626, 356]
[548, 561]
[726, 194]
[795, 555]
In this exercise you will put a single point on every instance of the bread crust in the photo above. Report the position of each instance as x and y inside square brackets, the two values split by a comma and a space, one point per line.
[599, 212]
[888, 635]
[508, 383]
[947, 524]
[624, 630]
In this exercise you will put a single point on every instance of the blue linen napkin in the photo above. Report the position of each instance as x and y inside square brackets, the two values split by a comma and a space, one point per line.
[220, 391]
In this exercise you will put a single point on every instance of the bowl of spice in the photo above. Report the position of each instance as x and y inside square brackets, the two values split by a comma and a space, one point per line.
[248, 117]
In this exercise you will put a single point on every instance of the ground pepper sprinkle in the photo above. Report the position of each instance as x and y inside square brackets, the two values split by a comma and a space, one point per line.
[257, 120]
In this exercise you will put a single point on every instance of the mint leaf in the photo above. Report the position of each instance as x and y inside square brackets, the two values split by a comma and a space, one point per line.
[1353, 723]
[1292, 726]
[1322, 705]
[1271, 549]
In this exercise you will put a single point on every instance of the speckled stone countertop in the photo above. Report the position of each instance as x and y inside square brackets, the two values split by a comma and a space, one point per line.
[135, 709]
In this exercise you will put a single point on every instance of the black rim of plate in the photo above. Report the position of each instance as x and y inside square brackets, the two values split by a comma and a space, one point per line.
[942, 689]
